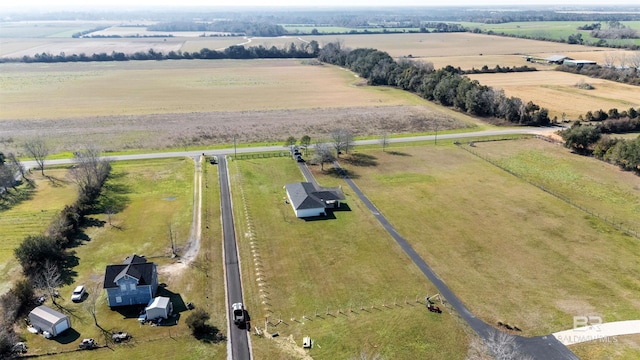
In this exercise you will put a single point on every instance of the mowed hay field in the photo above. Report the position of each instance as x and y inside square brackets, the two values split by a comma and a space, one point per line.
[293, 268]
[510, 251]
[557, 91]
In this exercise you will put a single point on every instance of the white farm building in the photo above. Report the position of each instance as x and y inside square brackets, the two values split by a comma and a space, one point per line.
[45, 319]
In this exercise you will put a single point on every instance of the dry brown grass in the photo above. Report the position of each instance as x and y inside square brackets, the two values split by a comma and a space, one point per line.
[181, 103]
[557, 92]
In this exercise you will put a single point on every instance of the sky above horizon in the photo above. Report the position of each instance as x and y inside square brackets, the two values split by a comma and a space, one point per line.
[42, 4]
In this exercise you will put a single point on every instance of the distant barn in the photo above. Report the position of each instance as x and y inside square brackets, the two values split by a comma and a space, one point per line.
[557, 59]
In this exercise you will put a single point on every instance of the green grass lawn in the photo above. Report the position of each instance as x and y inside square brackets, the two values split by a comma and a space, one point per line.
[345, 263]
[552, 29]
[30, 216]
[158, 193]
[510, 251]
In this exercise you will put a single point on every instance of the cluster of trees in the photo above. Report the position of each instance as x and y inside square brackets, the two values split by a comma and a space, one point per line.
[498, 69]
[303, 50]
[445, 86]
[616, 30]
[593, 26]
[80, 34]
[572, 39]
[249, 28]
[629, 75]
[588, 139]
[594, 139]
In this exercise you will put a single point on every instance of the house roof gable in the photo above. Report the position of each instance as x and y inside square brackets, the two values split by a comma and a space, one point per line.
[143, 272]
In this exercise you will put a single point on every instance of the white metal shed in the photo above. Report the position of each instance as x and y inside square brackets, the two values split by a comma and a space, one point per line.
[159, 307]
[44, 318]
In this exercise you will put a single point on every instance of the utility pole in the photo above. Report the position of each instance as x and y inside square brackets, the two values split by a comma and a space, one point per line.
[235, 151]
[436, 137]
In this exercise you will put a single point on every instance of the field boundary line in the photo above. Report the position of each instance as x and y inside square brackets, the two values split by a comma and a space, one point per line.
[616, 225]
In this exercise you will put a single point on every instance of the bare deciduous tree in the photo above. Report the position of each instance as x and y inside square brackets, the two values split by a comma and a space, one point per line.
[323, 154]
[49, 279]
[90, 169]
[634, 59]
[93, 301]
[504, 346]
[37, 148]
[342, 140]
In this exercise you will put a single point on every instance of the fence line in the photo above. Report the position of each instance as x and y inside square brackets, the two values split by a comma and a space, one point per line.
[608, 220]
[261, 155]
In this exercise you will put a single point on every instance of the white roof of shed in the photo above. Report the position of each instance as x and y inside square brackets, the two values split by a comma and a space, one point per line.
[48, 314]
[159, 302]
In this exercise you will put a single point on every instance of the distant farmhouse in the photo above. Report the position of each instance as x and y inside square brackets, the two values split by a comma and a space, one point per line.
[307, 201]
[131, 283]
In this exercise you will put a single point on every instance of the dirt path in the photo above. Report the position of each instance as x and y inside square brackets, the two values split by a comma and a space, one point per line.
[190, 251]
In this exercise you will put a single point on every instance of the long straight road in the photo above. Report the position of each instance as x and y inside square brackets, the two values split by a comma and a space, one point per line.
[239, 346]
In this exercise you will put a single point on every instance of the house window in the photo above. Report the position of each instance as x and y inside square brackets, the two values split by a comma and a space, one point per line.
[118, 299]
[123, 287]
[132, 286]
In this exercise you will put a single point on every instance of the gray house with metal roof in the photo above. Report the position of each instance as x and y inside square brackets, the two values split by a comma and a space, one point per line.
[132, 283]
[307, 201]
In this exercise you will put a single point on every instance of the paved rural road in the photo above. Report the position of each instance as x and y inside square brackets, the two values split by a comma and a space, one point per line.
[239, 342]
[544, 347]
[240, 150]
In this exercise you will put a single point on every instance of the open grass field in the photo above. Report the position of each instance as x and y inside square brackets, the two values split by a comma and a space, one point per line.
[553, 29]
[159, 193]
[347, 262]
[510, 251]
[31, 216]
[557, 91]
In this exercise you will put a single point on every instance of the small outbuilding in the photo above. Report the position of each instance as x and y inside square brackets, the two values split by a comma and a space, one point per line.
[45, 319]
[159, 307]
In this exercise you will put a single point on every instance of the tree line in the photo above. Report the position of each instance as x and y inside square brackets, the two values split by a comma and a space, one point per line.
[249, 28]
[593, 139]
[44, 258]
[302, 50]
[628, 75]
[445, 86]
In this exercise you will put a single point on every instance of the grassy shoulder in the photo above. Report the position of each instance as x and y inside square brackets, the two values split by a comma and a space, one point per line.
[158, 193]
[334, 268]
[510, 251]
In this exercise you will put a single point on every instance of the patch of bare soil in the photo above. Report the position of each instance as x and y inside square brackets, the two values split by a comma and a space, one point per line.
[194, 129]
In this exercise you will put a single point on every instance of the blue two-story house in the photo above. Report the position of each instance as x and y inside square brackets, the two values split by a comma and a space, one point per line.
[131, 283]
